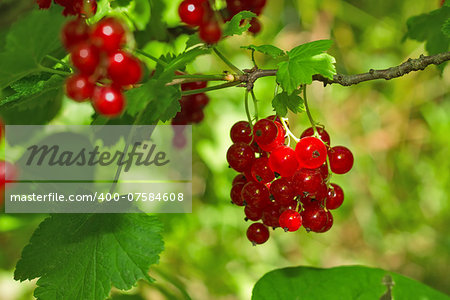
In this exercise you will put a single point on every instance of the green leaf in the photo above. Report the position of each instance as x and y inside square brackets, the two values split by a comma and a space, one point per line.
[283, 101]
[305, 61]
[156, 28]
[428, 28]
[81, 256]
[447, 3]
[266, 49]
[233, 27]
[446, 28]
[28, 41]
[346, 282]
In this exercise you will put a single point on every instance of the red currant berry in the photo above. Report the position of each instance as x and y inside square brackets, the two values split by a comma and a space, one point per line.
[290, 220]
[8, 173]
[235, 6]
[284, 161]
[323, 134]
[108, 34]
[239, 178]
[193, 85]
[85, 57]
[271, 215]
[241, 132]
[235, 194]
[79, 87]
[253, 213]
[210, 32]
[255, 26]
[198, 101]
[329, 222]
[197, 116]
[257, 233]
[278, 142]
[108, 101]
[341, 159]
[283, 191]
[74, 32]
[240, 156]
[308, 202]
[335, 196]
[124, 68]
[311, 152]
[314, 218]
[255, 194]
[261, 171]
[308, 182]
[192, 12]
[265, 132]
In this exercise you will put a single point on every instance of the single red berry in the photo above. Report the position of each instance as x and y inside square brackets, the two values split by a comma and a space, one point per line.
[329, 222]
[241, 132]
[261, 171]
[308, 202]
[74, 32]
[193, 12]
[341, 159]
[255, 26]
[311, 152]
[293, 205]
[236, 6]
[235, 194]
[79, 87]
[284, 161]
[265, 132]
[124, 68]
[309, 182]
[314, 218]
[210, 32]
[8, 173]
[255, 194]
[271, 215]
[193, 85]
[239, 178]
[198, 101]
[253, 213]
[290, 220]
[108, 34]
[240, 156]
[278, 142]
[323, 134]
[335, 196]
[257, 233]
[85, 57]
[282, 191]
[197, 116]
[108, 101]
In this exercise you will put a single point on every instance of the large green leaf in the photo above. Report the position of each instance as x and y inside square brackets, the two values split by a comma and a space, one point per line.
[305, 61]
[346, 282]
[81, 256]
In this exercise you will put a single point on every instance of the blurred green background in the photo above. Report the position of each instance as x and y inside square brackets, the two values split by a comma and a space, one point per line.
[396, 213]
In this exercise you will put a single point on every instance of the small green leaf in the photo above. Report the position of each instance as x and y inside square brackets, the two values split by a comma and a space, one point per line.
[346, 282]
[447, 3]
[81, 256]
[233, 27]
[266, 49]
[446, 28]
[305, 61]
[282, 102]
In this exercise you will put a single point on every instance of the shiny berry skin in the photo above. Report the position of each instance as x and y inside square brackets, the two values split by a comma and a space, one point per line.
[8, 173]
[308, 183]
[265, 132]
[341, 159]
[192, 12]
[255, 194]
[323, 134]
[79, 87]
[255, 26]
[108, 34]
[271, 215]
[284, 161]
[235, 194]
[74, 32]
[335, 196]
[124, 68]
[85, 57]
[328, 223]
[240, 156]
[257, 233]
[261, 171]
[241, 132]
[290, 220]
[314, 218]
[311, 152]
[282, 191]
[210, 32]
[278, 142]
[108, 101]
[239, 178]
[253, 213]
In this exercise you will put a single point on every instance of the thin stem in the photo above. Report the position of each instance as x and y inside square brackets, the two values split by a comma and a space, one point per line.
[227, 62]
[253, 59]
[288, 131]
[155, 59]
[308, 112]
[255, 104]
[58, 61]
[200, 76]
[210, 88]
[53, 71]
[247, 110]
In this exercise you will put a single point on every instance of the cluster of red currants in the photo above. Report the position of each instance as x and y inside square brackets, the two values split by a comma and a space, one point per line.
[199, 13]
[85, 8]
[191, 111]
[103, 69]
[281, 186]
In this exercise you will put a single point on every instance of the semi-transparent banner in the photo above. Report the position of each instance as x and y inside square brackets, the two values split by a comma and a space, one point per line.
[98, 169]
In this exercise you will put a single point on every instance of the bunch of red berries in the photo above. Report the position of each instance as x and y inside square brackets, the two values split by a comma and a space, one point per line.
[103, 69]
[191, 110]
[255, 6]
[86, 8]
[281, 186]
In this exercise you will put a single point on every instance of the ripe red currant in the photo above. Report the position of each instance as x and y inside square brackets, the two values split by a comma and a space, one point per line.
[239, 178]
[108, 34]
[279, 140]
[290, 220]
[235, 194]
[253, 213]
[241, 132]
[198, 101]
[257, 233]
[255, 26]
[74, 32]
[108, 101]
[261, 171]
[79, 87]
[314, 218]
[193, 12]
[341, 159]
[124, 68]
[329, 222]
[240, 156]
[85, 57]
[265, 132]
[311, 152]
[282, 191]
[210, 32]
[309, 182]
[271, 215]
[323, 134]
[284, 161]
[335, 196]
[255, 194]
